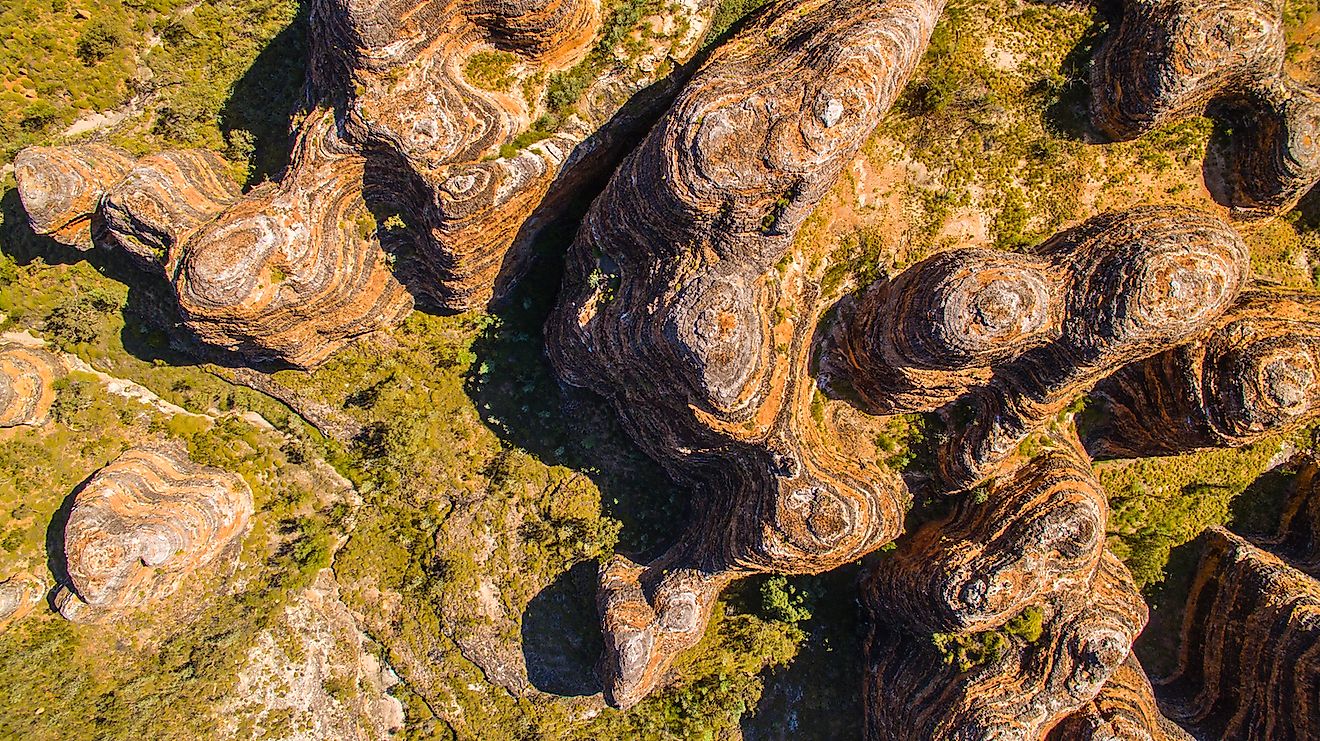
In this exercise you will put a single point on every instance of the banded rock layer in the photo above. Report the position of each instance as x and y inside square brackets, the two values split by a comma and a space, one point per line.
[1256, 373]
[1022, 692]
[1016, 338]
[669, 306]
[449, 145]
[27, 384]
[142, 524]
[1038, 531]
[1249, 663]
[291, 271]
[18, 595]
[1125, 710]
[1170, 59]
[61, 186]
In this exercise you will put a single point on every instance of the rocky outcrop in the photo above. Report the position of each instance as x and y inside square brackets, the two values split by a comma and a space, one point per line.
[1273, 156]
[1255, 373]
[18, 595]
[27, 384]
[1247, 666]
[451, 100]
[1298, 537]
[294, 269]
[673, 308]
[60, 187]
[140, 525]
[1169, 59]
[164, 199]
[1026, 536]
[288, 273]
[1124, 709]
[921, 340]
[1016, 338]
[1004, 616]
[430, 119]
[1021, 688]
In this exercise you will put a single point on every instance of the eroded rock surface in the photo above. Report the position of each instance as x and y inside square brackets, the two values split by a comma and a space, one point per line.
[1031, 534]
[61, 186]
[912, 691]
[1125, 710]
[1016, 338]
[19, 594]
[424, 130]
[1256, 373]
[27, 384]
[1247, 666]
[142, 524]
[1169, 59]
[162, 200]
[669, 309]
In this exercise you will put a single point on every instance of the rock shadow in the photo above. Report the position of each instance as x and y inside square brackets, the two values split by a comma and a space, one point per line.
[1067, 113]
[818, 695]
[256, 117]
[56, 561]
[560, 638]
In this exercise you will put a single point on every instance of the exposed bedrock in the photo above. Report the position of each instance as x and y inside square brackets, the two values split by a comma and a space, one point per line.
[1172, 59]
[142, 524]
[19, 594]
[1019, 692]
[1125, 710]
[1273, 156]
[162, 200]
[1298, 537]
[673, 309]
[1135, 283]
[290, 272]
[60, 187]
[1169, 58]
[1035, 532]
[1255, 373]
[27, 384]
[1249, 664]
[921, 340]
[412, 105]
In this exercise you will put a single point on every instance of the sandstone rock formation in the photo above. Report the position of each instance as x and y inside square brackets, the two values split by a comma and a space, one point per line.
[1257, 372]
[1124, 709]
[292, 270]
[669, 307]
[1170, 59]
[1247, 666]
[1298, 537]
[1019, 691]
[60, 187]
[1016, 338]
[142, 524]
[419, 110]
[18, 595]
[27, 384]
[1035, 532]
[162, 200]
